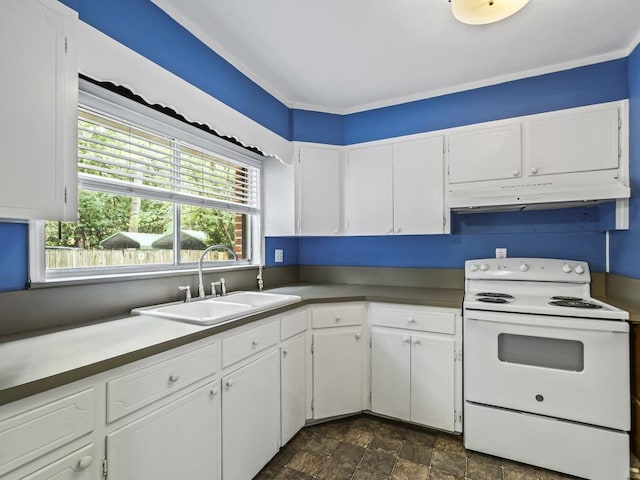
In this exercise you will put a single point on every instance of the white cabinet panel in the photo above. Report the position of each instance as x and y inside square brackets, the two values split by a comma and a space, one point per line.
[578, 141]
[390, 374]
[38, 93]
[179, 440]
[293, 375]
[278, 184]
[293, 323]
[337, 315]
[320, 187]
[432, 381]
[338, 371]
[134, 390]
[244, 344]
[488, 153]
[37, 431]
[369, 191]
[79, 465]
[250, 417]
[418, 187]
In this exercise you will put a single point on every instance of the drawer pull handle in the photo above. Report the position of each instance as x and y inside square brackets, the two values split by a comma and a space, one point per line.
[417, 342]
[174, 377]
[285, 352]
[338, 318]
[254, 343]
[229, 383]
[412, 320]
[358, 335]
[407, 340]
[539, 398]
[214, 391]
[84, 462]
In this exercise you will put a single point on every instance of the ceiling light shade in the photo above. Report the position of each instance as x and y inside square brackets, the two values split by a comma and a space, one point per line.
[481, 12]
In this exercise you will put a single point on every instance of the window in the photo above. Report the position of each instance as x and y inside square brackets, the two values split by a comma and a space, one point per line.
[153, 193]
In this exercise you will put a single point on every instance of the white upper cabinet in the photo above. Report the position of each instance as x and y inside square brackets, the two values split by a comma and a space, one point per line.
[39, 96]
[488, 153]
[369, 191]
[319, 191]
[570, 142]
[396, 188]
[418, 187]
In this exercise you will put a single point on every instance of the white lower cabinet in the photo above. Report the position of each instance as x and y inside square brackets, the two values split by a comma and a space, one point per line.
[250, 417]
[293, 374]
[416, 374]
[391, 374]
[433, 381]
[338, 372]
[179, 440]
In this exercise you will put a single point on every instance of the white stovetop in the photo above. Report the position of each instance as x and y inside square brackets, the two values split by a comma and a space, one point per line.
[539, 304]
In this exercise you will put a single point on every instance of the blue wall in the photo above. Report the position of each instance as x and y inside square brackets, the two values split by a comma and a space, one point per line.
[146, 29]
[625, 245]
[14, 256]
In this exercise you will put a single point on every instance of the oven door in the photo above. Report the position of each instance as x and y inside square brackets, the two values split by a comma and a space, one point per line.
[571, 368]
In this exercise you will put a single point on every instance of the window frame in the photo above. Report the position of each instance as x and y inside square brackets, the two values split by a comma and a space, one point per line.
[96, 98]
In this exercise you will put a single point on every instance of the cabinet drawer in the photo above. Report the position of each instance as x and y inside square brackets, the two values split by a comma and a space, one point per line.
[413, 318]
[40, 430]
[292, 324]
[336, 316]
[134, 390]
[77, 466]
[245, 344]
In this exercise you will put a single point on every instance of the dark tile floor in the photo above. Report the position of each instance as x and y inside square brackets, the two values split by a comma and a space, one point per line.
[365, 447]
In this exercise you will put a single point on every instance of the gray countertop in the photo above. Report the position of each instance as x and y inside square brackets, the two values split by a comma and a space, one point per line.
[37, 363]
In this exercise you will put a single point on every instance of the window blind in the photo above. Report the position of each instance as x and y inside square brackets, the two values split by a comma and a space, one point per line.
[119, 157]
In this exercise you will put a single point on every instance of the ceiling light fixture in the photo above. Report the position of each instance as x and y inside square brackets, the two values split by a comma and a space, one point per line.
[481, 12]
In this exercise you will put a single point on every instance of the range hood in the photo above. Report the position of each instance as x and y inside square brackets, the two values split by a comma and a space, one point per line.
[534, 196]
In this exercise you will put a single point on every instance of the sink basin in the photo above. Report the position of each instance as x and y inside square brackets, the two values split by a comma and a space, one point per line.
[204, 312]
[218, 309]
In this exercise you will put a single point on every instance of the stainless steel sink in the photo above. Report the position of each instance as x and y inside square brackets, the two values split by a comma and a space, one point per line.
[215, 310]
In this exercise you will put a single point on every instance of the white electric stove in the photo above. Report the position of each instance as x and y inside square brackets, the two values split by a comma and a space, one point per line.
[546, 367]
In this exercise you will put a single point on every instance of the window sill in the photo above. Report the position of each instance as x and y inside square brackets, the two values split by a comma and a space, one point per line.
[123, 277]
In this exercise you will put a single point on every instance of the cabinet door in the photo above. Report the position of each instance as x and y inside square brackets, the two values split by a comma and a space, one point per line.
[293, 376]
[369, 191]
[432, 381]
[337, 372]
[38, 94]
[390, 374]
[418, 187]
[250, 417]
[579, 141]
[320, 191]
[179, 440]
[489, 153]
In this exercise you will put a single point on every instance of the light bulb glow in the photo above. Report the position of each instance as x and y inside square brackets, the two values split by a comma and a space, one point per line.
[481, 12]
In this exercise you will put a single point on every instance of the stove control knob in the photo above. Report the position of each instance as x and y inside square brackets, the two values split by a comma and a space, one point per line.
[484, 267]
[473, 267]
[579, 269]
[566, 268]
[523, 267]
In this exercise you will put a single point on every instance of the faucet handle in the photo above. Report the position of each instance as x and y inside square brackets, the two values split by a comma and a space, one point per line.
[214, 288]
[187, 289]
[223, 286]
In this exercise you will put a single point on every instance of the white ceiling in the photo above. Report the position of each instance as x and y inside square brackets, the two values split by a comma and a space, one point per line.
[343, 56]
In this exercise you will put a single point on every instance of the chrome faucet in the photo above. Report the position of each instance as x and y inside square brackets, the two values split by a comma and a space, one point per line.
[187, 289]
[201, 292]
